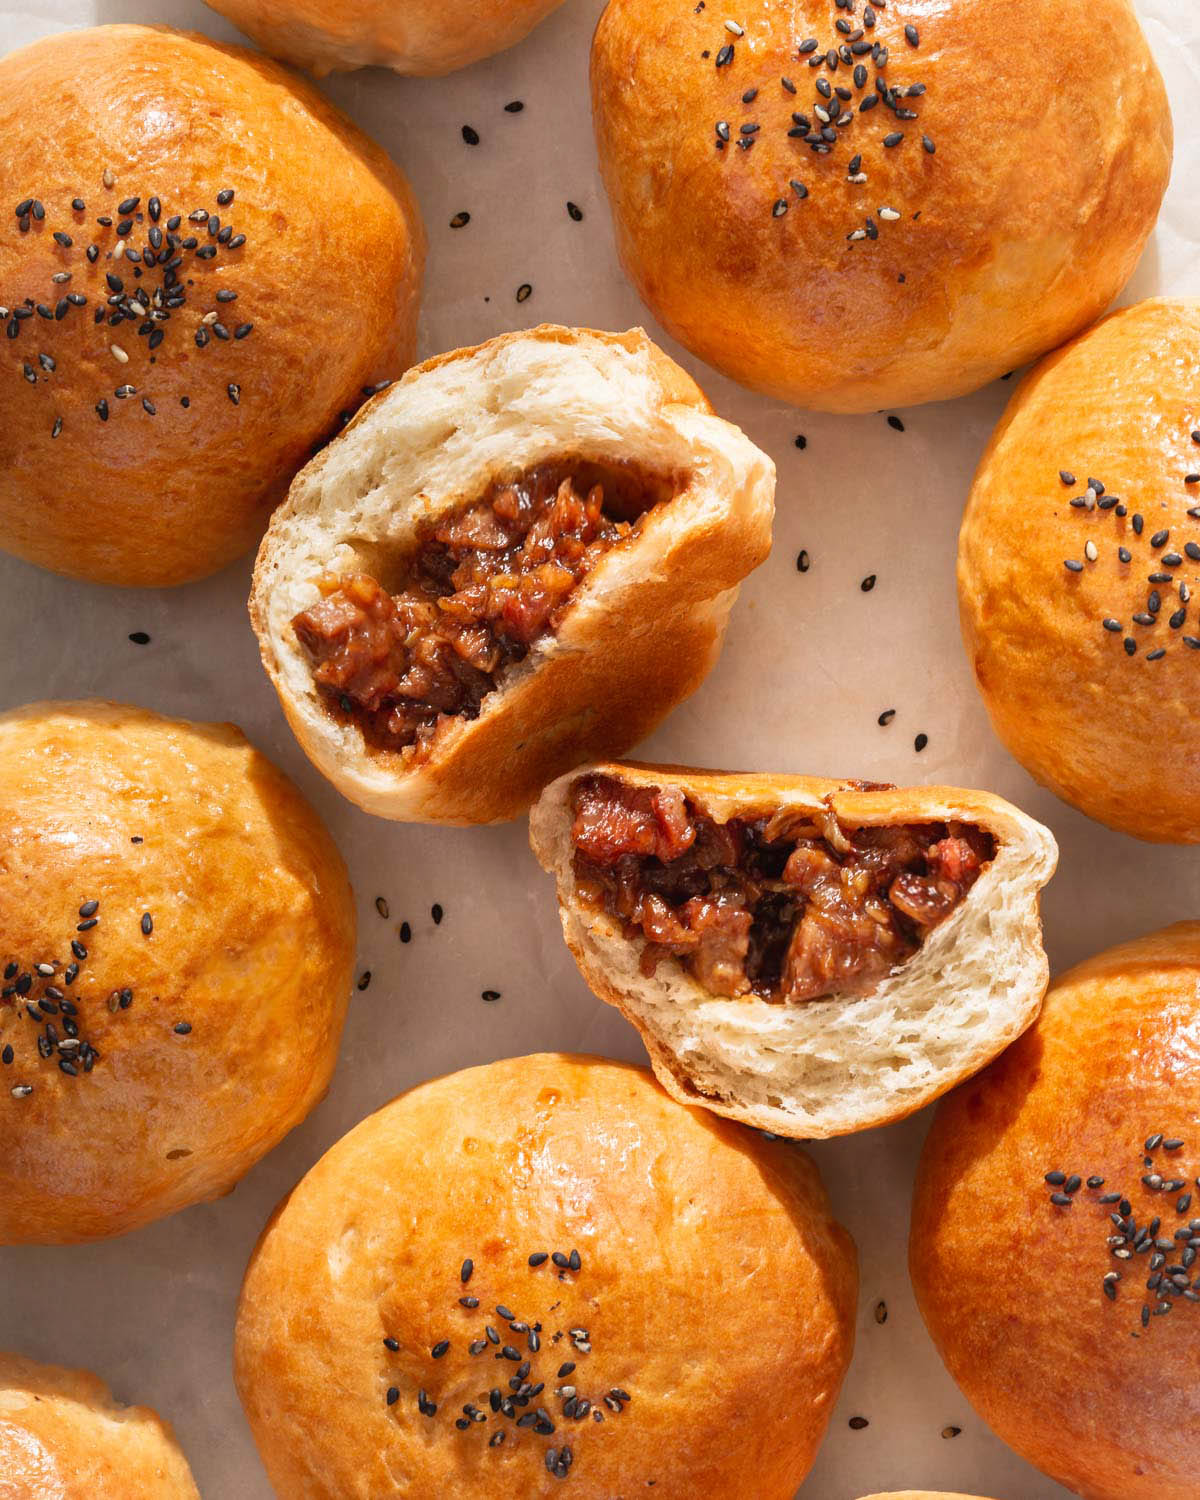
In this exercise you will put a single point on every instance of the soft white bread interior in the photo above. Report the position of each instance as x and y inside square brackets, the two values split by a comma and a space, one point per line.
[642, 629]
[833, 1065]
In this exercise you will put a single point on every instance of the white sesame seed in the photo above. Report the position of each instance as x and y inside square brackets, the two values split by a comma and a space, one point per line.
[118, 250]
[734, 29]
[118, 354]
[1089, 551]
[108, 179]
[22, 1091]
[138, 309]
[858, 177]
[210, 318]
[859, 234]
[890, 214]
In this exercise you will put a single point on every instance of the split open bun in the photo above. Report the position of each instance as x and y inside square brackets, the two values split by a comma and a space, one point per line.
[843, 1061]
[637, 633]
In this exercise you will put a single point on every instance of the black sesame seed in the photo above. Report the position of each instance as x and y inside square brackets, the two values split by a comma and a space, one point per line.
[465, 1271]
[439, 1348]
[895, 424]
[920, 742]
[524, 292]
[489, 995]
[183, 1028]
[147, 923]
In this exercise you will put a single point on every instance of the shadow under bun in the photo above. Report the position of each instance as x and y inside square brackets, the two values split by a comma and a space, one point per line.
[240, 261]
[1079, 572]
[176, 942]
[1056, 1224]
[63, 1436]
[545, 1269]
[808, 956]
[560, 524]
[884, 214]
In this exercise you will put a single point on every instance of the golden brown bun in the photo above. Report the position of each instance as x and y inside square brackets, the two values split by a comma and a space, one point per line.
[1118, 405]
[328, 276]
[712, 1277]
[1010, 1285]
[251, 944]
[842, 1063]
[408, 35]
[64, 1437]
[1017, 233]
[642, 630]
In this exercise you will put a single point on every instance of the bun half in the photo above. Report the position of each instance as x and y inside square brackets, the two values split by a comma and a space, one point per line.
[842, 1062]
[639, 632]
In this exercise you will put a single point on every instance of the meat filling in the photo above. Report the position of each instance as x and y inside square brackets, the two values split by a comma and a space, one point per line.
[787, 908]
[483, 584]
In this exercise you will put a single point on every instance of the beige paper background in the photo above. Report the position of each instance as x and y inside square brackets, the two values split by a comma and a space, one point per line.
[810, 663]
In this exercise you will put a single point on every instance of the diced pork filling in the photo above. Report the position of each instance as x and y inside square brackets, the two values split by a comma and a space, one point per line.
[482, 586]
[787, 908]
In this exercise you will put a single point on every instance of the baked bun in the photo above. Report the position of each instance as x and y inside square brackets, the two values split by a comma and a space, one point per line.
[1076, 603]
[520, 557]
[64, 1437]
[406, 35]
[176, 942]
[787, 964]
[1055, 1225]
[944, 237]
[685, 1272]
[149, 447]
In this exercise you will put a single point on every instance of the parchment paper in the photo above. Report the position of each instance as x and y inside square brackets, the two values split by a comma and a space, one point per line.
[810, 663]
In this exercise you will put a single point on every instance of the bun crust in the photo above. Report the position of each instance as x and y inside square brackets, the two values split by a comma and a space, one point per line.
[643, 628]
[828, 1066]
[405, 35]
[711, 1273]
[159, 497]
[1011, 1286]
[187, 830]
[1010, 238]
[1118, 405]
[64, 1437]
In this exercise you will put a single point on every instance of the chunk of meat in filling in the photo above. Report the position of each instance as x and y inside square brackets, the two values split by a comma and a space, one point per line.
[483, 585]
[787, 908]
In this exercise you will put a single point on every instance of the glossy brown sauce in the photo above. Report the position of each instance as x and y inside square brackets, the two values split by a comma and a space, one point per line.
[484, 583]
[787, 908]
